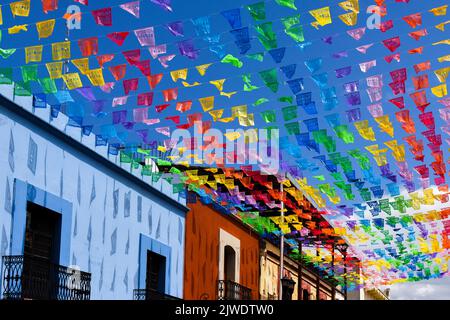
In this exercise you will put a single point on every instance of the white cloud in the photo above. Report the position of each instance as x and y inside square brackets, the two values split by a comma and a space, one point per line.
[436, 289]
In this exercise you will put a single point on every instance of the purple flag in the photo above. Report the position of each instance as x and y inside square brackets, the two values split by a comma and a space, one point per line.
[176, 28]
[187, 49]
[165, 4]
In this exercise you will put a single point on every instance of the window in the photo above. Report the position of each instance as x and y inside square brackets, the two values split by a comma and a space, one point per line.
[156, 272]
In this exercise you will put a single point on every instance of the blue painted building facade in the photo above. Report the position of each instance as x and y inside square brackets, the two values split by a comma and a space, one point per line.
[110, 216]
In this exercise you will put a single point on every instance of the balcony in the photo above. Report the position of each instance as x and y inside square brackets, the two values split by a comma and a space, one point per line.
[32, 278]
[229, 290]
[145, 294]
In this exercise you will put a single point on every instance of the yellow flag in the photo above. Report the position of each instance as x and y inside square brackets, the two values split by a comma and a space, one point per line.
[232, 135]
[226, 120]
[17, 29]
[72, 80]
[440, 91]
[439, 11]
[1, 16]
[179, 74]
[364, 130]
[219, 178]
[218, 84]
[247, 120]
[350, 18]
[212, 184]
[189, 85]
[444, 58]
[352, 5]
[441, 26]
[228, 94]
[322, 16]
[54, 69]
[378, 154]
[61, 50]
[33, 54]
[202, 68]
[239, 111]
[398, 151]
[81, 64]
[45, 28]
[95, 76]
[207, 103]
[442, 74]
[216, 114]
[20, 8]
[446, 41]
[385, 124]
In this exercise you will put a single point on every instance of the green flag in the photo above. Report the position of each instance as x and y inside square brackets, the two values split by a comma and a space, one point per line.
[48, 86]
[22, 89]
[296, 33]
[266, 35]
[288, 99]
[124, 157]
[292, 128]
[287, 3]
[6, 75]
[290, 21]
[29, 73]
[269, 116]
[320, 136]
[257, 10]
[260, 101]
[343, 133]
[289, 113]
[269, 78]
[6, 53]
[229, 58]
[256, 56]
[247, 83]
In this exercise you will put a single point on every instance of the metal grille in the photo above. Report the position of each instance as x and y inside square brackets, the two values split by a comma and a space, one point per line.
[146, 294]
[229, 290]
[35, 278]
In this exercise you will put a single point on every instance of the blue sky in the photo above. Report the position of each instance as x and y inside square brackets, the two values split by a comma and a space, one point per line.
[184, 10]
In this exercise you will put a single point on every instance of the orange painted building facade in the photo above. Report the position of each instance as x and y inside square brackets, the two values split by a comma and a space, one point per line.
[218, 247]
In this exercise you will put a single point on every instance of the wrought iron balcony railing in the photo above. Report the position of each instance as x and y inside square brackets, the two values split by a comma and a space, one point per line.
[145, 294]
[229, 290]
[35, 278]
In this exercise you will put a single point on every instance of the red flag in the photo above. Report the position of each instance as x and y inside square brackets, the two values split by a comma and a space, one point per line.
[170, 94]
[398, 75]
[407, 123]
[416, 35]
[397, 87]
[413, 20]
[49, 5]
[420, 100]
[144, 67]
[183, 106]
[88, 46]
[185, 126]
[118, 37]
[161, 107]
[119, 71]
[418, 50]
[398, 102]
[421, 82]
[427, 119]
[175, 119]
[104, 58]
[103, 17]
[386, 25]
[392, 44]
[395, 56]
[153, 80]
[130, 85]
[423, 66]
[145, 99]
[132, 56]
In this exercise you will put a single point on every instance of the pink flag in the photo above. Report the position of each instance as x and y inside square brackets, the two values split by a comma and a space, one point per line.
[366, 66]
[145, 36]
[445, 102]
[363, 49]
[155, 51]
[357, 34]
[165, 59]
[390, 58]
[376, 110]
[132, 7]
[107, 87]
[144, 67]
[375, 81]
[386, 25]
[140, 114]
[119, 101]
[103, 17]
[163, 130]
[104, 58]
[145, 99]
